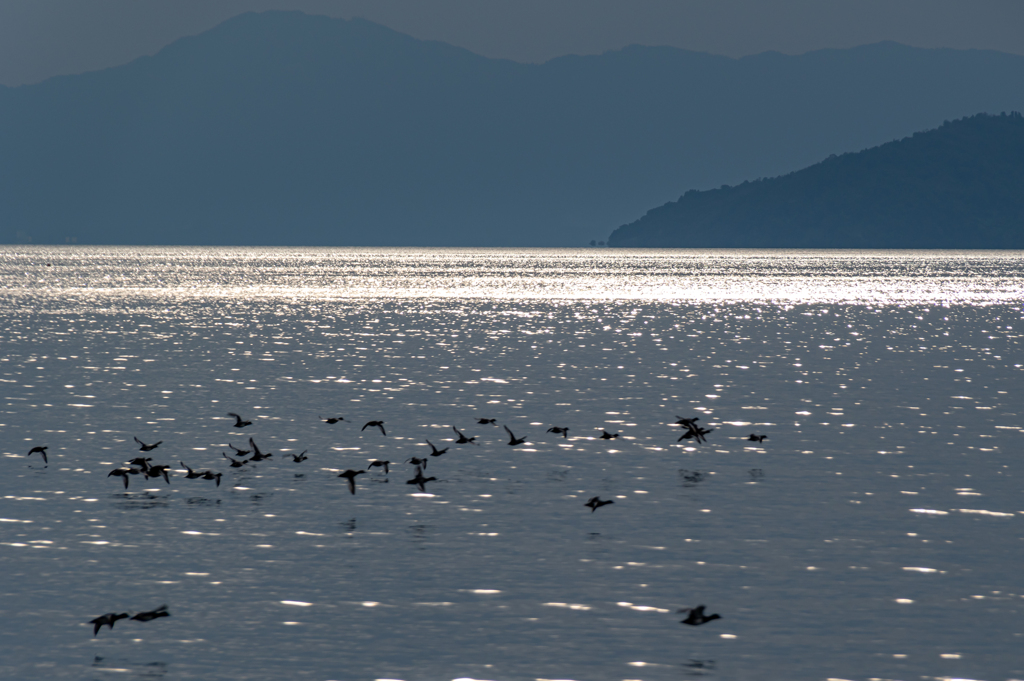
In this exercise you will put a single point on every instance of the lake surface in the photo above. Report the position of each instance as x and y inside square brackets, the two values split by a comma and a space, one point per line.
[877, 533]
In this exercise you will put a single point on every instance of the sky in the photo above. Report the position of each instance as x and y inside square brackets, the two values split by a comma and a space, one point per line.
[44, 38]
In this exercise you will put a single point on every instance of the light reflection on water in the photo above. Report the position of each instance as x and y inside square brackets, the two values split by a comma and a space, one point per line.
[875, 533]
[884, 277]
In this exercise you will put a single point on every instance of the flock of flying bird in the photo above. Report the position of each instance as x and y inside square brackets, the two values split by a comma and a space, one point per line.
[142, 466]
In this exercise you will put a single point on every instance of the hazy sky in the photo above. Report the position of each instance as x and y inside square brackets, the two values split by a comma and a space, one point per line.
[42, 38]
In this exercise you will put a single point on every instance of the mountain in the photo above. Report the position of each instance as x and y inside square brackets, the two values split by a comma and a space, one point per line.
[281, 128]
[959, 186]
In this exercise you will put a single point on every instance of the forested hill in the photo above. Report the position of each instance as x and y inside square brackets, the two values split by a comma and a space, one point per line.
[958, 186]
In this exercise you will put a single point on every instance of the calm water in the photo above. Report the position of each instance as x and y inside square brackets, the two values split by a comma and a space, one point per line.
[878, 533]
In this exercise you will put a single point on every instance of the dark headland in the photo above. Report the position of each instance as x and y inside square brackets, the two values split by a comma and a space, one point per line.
[958, 186]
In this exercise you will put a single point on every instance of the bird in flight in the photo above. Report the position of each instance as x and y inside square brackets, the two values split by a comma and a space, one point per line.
[605, 435]
[151, 614]
[350, 475]
[462, 438]
[375, 424]
[419, 463]
[384, 464]
[564, 432]
[484, 422]
[41, 451]
[300, 457]
[331, 420]
[419, 480]
[697, 616]
[757, 438]
[257, 455]
[143, 447]
[239, 423]
[434, 451]
[596, 503]
[107, 620]
[512, 439]
[210, 475]
[190, 474]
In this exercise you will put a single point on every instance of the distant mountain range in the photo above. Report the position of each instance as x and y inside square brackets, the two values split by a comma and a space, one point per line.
[960, 186]
[282, 128]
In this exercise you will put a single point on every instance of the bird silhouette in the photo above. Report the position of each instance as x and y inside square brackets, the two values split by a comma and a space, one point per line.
[239, 423]
[190, 474]
[332, 419]
[484, 422]
[235, 463]
[143, 447]
[605, 435]
[157, 471]
[41, 451]
[564, 432]
[240, 452]
[419, 480]
[419, 463]
[434, 451]
[150, 615]
[122, 473]
[462, 438]
[757, 438]
[257, 455]
[697, 616]
[109, 619]
[596, 503]
[383, 464]
[350, 475]
[210, 475]
[375, 424]
[300, 457]
[512, 439]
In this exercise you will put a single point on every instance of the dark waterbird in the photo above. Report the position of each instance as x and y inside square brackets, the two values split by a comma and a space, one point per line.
[350, 475]
[384, 464]
[484, 422]
[41, 451]
[462, 438]
[596, 503]
[564, 432]
[109, 619]
[512, 439]
[190, 474]
[210, 475]
[239, 423]
[605, 435]
[332, 419]
[143, 447]
[240, 452]
[697, 616]
[257, 455]
[142, 462]
[757, 438]
[300, 457]
[123, 473]
[150, 615]
[418, 462]
[374, 424]
[157, 471]
[434, 451]
[235, 463]
[420, 481]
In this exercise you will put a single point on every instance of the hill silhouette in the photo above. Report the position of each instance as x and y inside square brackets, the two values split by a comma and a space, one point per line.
[282, 128]
[959, 186]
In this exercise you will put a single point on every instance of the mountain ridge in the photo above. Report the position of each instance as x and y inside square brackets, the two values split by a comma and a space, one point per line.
[281, 128]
